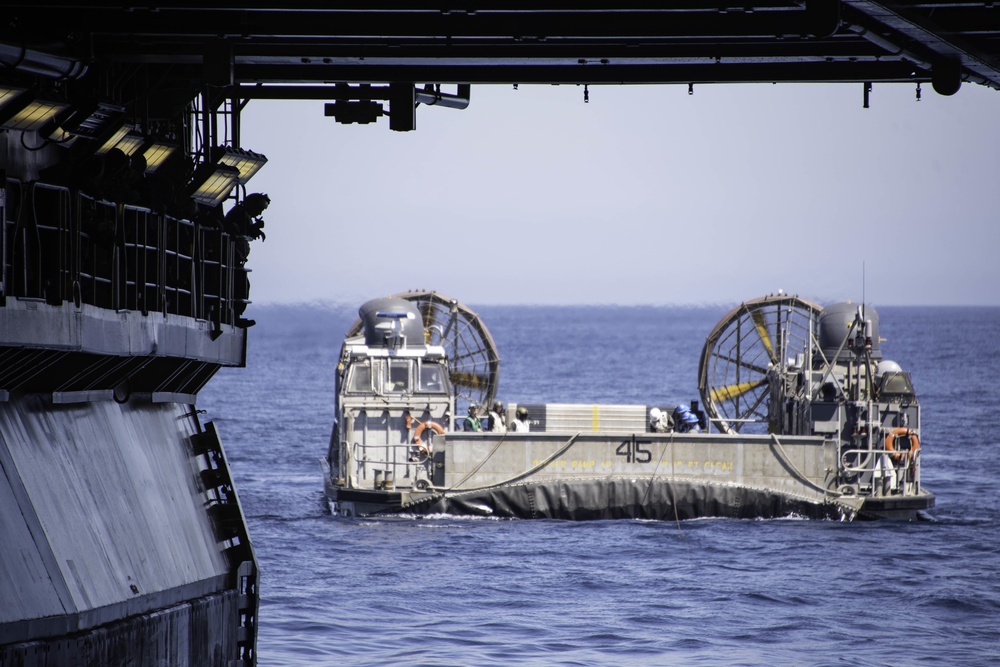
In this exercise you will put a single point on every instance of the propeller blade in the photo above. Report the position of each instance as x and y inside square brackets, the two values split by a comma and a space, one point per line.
[729, 392]
[761, 325]
[470, 380]
[427, 315]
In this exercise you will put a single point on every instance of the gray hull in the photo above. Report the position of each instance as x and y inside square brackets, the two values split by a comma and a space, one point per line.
[122, 542]
[631, 476]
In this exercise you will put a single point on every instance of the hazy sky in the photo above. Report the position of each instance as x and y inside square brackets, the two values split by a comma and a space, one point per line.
[644, 195]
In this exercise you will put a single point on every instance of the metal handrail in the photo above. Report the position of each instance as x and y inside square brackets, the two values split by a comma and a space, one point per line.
[906, 472]
[76, 248]
[361, 461]
[911, 454]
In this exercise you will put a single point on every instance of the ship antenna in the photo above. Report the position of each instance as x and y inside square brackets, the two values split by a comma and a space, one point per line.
[863, 298]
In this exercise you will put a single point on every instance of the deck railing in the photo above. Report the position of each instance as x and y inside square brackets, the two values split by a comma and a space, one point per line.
[61, 246]
[388, 464]
[882, 471]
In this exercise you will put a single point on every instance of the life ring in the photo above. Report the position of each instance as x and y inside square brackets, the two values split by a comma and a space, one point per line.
[423, 427]
[896, 432]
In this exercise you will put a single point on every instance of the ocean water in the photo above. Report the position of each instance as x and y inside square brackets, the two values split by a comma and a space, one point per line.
[446, 591]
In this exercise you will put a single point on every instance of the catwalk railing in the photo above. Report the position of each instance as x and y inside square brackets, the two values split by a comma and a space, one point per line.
[65, 246]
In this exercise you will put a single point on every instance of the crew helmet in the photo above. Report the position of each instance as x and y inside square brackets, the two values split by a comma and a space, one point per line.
[654, 414]
[497, 406]
[522, 413]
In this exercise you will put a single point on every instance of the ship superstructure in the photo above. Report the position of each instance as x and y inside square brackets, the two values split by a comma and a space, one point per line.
[124, 231]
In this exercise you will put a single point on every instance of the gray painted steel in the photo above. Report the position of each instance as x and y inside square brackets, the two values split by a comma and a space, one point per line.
[33, 323]
[103, 517]
[192, 634]
[610, 475]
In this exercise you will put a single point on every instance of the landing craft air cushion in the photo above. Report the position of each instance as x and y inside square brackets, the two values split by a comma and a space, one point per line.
[802, 417]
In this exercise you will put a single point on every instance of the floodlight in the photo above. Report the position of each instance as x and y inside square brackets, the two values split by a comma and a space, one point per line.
[100, 120]
[114, 132]
[247, 163]
[21, 110]
[156, 154]
[131, 143]
[212, 183]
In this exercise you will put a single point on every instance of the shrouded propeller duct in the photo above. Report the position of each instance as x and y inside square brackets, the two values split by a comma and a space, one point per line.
[745, 355]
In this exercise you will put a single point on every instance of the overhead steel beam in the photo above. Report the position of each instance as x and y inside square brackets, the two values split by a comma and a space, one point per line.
[764, 20]
[883, 71]
[899, 25]
[310, 41]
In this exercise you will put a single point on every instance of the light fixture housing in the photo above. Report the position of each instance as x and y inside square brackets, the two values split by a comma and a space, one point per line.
[8, 95]
[156, 153]
[22, 110]
[98, 121]
[246, 162]
[131, 143]
[212, 183]
[113, 134]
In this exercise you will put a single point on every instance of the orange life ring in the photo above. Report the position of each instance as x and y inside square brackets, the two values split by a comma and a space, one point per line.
[896, 432]
[423, 427]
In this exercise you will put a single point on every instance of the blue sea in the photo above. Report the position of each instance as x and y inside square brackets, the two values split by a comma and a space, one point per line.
[448, 591]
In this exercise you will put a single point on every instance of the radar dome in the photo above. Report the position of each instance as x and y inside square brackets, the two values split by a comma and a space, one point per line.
[834, 323]
[391, 322]
[887, 366]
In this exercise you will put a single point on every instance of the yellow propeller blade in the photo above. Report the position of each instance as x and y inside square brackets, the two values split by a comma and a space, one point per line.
[426, 314]
[729, 392]
[761, 325]
[471, 380]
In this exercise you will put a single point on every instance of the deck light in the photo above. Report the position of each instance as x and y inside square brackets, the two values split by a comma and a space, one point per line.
[115, 133]
[7, 95]
[247, 163]
[212, 183]
[131, 143]
[21, 110]
[100, 121]
[156, 154]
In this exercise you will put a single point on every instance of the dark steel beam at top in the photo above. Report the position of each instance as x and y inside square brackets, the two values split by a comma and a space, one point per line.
[821, 72]
[772, 19]
[938, 44]
[310, 41]
[499, 52]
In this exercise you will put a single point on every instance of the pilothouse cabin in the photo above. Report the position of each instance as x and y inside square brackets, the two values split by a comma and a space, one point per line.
[392, 389]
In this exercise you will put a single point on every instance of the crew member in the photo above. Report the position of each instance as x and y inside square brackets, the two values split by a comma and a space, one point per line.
[659, 421]
[685, 421]
[498, 424]
[244, 223]
[521, 423]
[472, 421]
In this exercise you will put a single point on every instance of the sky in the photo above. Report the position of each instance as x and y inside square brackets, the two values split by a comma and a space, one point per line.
[643, 195]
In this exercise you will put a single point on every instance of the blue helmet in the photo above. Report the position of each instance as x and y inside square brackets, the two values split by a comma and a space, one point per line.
[682, 408]
[689, 417]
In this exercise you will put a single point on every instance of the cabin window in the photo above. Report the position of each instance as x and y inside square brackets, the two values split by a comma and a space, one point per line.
[897, 384]
[431, 378]
[399, 376]
[360, 379]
